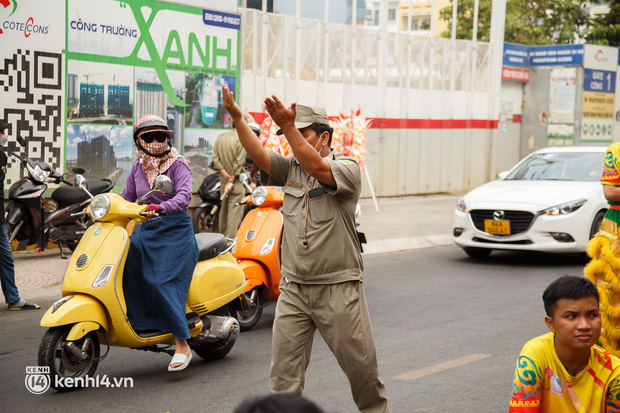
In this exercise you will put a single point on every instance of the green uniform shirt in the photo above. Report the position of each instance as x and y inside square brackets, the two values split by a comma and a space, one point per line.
[228, 153]
[319, 241]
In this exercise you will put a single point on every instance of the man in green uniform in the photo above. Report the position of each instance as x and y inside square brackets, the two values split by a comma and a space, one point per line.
[322, 267]
[229, 160]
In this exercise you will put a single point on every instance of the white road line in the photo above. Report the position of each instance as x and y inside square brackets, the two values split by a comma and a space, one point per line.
[416, 374]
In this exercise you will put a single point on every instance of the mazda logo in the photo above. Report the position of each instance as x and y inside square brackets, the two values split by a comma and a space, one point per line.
[498, 215]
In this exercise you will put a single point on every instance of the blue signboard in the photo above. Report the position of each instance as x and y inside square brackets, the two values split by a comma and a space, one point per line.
[564, 55]
[516, 55]
[216, 18]
[599, 81]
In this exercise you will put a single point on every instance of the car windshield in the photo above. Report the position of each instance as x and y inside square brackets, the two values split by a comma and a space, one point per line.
[566, 166]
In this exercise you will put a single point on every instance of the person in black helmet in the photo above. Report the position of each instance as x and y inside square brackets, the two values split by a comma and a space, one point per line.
[163, 251]
[7, 268]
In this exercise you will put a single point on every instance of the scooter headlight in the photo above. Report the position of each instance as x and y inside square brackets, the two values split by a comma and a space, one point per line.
[268, 246]
[259, 195]
[60, 302]
[99, 206]
[103, 276]
[37, 173]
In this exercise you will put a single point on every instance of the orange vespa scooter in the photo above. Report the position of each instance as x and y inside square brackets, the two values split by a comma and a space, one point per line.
[257, 250]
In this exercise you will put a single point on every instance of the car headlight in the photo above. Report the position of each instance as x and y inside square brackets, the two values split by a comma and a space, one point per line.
[259, 195]
[37, 173]
[99, 206]
[566, 208]
[460, 205]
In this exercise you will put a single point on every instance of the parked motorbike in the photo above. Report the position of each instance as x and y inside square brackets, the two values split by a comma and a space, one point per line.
[93, 305]
[257, 249]
[31, 219]
[205, 217]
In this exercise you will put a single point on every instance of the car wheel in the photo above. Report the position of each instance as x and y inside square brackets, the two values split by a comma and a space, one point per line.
[596, 223]
[477, 253]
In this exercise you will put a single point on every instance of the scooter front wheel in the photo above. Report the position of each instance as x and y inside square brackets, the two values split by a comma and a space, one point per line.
[63, 358]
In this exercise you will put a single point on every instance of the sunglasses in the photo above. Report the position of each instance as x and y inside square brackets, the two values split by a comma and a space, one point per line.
[154, 136]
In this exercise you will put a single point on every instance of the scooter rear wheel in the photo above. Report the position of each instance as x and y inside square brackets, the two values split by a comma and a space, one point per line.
[203, 221]
[62, 364]
[249, 318]
[214, 351]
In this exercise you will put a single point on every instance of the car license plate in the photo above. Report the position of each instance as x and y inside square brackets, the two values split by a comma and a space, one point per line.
[495, 227]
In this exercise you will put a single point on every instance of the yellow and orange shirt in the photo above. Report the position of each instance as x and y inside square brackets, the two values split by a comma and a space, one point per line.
[542, 384]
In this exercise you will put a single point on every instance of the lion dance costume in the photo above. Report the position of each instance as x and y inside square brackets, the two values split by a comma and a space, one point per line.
[604, 249]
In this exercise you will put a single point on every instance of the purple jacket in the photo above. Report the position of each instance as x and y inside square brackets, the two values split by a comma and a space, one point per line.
[181, 177]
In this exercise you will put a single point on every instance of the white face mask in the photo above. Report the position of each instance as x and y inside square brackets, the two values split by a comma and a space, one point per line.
[3, 139]
[317, 145]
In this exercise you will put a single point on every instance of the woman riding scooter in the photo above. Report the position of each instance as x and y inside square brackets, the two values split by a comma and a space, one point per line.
[163, 252]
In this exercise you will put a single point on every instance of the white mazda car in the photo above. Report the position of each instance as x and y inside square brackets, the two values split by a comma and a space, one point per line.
[551, 201]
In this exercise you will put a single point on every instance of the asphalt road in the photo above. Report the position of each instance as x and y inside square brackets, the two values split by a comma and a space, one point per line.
[448, 330]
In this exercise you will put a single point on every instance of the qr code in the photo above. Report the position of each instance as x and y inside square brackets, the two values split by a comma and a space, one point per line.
[32, 96]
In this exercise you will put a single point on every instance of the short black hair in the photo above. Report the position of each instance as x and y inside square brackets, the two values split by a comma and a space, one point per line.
[319, 128]
[569, 287]
[278, 403]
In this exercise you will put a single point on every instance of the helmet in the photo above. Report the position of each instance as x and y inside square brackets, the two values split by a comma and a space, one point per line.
[158, 125]
[147, 121]
[255, 128]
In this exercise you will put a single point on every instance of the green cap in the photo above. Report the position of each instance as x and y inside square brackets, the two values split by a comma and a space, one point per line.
[307, 115]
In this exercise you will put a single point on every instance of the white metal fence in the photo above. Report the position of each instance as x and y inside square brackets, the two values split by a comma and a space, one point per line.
[388, 75]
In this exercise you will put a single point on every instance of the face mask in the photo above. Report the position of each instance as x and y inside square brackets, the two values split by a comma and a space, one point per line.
[3, 139]
[317, 145]
[156, 148]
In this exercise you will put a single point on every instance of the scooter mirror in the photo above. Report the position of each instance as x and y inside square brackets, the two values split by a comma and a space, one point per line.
[80, 182]
[21, 140]
[78, 170]
[243, 178]
[163, 184]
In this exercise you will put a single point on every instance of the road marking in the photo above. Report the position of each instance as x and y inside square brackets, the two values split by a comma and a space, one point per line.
[416, 374]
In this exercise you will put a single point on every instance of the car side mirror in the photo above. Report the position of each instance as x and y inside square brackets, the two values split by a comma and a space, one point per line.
[502, 175]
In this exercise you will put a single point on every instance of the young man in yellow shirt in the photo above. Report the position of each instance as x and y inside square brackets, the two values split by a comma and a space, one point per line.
[565, 370]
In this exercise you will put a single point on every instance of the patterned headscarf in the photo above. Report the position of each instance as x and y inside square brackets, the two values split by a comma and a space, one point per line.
[153, 165]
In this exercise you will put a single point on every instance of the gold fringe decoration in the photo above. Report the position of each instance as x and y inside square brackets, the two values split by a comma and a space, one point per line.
[603, 270]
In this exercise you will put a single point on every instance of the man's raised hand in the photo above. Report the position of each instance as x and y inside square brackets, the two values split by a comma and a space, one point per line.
[282, 116]
[228, 99]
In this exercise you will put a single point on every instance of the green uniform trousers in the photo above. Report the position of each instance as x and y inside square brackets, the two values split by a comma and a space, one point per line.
[231, 214]
[340, 313]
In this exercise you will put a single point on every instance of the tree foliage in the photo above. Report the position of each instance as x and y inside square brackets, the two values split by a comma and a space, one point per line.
[530, 22]
[606, 29]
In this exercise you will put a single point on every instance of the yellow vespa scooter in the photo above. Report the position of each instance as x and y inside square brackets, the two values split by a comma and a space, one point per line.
[93, 309]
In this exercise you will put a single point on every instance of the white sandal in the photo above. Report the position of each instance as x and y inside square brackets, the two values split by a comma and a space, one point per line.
[180, 358]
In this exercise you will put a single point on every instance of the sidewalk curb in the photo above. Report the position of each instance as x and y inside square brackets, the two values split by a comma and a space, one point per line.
[406, 244]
